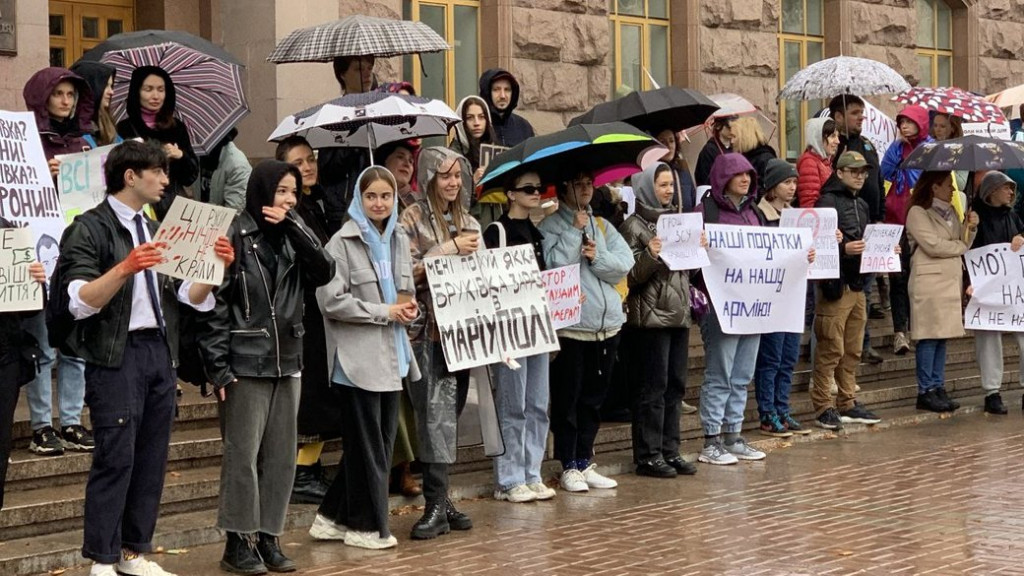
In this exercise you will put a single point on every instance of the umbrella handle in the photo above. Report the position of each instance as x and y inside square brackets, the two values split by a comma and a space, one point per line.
[371, 141]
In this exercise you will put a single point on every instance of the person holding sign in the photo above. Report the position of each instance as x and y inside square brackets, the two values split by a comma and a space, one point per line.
[937, 243]
[437, 225]
[475, 131]
[366, 307]
[252, 349]
[151, 105]
[658, 307]
[998, 223]
[840, 312]
[126, 324]
[582, 370]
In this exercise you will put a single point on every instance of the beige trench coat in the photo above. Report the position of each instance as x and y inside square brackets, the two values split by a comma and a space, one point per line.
[936, 277]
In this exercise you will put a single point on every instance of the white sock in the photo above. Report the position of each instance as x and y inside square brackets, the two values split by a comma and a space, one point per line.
[97, 568]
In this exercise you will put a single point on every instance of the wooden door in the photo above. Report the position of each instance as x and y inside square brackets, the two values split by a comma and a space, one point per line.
[75, 27]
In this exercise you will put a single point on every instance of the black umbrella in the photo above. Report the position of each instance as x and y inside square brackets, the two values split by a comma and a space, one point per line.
[668, 108]
[143, 38]
[970, 153]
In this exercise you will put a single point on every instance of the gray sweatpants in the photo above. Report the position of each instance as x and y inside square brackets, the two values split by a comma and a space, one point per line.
[989, 348]
[258, 425]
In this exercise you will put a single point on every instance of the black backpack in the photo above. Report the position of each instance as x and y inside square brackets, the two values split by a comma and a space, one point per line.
[59, 320]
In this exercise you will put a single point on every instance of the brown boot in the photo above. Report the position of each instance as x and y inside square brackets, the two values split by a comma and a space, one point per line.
[403, 482]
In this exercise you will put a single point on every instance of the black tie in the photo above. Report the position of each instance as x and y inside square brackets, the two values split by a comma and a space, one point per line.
[150, 277]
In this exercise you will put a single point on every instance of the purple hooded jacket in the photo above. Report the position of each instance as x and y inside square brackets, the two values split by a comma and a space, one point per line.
[725, 167]
[37, 93]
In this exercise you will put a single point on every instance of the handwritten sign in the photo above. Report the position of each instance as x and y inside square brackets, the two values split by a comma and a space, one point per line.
[489, 151]
[190, 230]
[997, 275]
[27, 195]
[81, 182]
[680, 241]
[490, 306]
[757, 278]
[998, 130]
[18, 291]
[562, 286]
[822, 222]
[880, 250]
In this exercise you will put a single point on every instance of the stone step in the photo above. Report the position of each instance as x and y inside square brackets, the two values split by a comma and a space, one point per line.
[50, 553]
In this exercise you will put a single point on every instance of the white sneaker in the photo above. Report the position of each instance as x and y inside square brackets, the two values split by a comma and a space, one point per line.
[324, 529]
[369, 540]
[139, 566]
[102, 570]
[716, 454]
[689, 408]
[740, 449]
[595, 480]
[572, 480]
[517, 494]
[541, 490]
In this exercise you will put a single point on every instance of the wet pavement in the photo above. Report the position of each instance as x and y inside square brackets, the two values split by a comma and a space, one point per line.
[942, 497]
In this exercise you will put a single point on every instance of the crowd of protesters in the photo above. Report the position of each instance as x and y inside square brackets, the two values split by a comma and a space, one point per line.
[323, 327]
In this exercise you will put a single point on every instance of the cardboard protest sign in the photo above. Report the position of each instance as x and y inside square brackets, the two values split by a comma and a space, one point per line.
[680, 241]
[822, 222]
[190, 230]
[18, 291]
[562, 286]
[997, 275]
[880, 251]
[757, 278]
[81, 182]
[488, 151]
[490, 306]
[27, 195]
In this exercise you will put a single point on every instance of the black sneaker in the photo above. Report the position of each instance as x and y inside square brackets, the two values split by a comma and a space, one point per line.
[656, 469]
[876, 312]
[46, 442]
[953, 404]
[829, 420]
[859, 415]
[871, 356]
[994, 404]
[77, 438]
[683, 468]
[932, 402]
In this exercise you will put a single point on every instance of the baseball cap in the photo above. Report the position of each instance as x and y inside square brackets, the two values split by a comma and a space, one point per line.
[851, 159]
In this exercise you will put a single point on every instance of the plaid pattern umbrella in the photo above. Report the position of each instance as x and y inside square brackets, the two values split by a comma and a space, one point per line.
[210, 97]
[843, 75]
[954, 101]
[357, 36]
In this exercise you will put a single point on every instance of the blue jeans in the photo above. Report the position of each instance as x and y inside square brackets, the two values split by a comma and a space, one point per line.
[773, 377]
[70, 382]
[521, 400]
[729, 367]
[931, 364]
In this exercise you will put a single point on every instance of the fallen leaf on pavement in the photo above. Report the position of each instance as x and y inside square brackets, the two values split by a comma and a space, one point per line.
[58, 572]
[844, 553]
[408, 509]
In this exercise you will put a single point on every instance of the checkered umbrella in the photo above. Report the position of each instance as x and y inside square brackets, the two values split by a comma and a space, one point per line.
[210, 99]
[357, 36]
[843, 75]
[954, 101]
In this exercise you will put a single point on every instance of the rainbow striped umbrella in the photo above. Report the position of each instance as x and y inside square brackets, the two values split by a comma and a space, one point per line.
[210, 99]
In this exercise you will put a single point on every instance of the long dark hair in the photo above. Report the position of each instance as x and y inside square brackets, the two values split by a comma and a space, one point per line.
[923, 195]
[165, 116]
[488, 137]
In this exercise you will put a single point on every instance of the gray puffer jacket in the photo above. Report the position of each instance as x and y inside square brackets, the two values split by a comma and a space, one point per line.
[658, 297]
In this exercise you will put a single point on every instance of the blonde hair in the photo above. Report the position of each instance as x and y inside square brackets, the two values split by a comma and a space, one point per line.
[434, 200]
[747, 134]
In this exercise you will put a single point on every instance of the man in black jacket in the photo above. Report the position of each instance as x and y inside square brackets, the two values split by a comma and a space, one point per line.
[840, 311]
[500, 89]
[126, 321]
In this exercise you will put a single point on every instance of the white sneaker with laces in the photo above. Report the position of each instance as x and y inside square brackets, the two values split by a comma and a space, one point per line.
[369, 540]
[689, 408]
[595, 480]
[139, 566]
[716, 454]
[516, 494]
[102, 570]
[743, 451]
[541, 490]
[324, 529]
[572, 480]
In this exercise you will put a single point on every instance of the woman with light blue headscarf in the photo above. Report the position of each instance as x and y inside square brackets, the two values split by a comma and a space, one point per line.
[366, 307]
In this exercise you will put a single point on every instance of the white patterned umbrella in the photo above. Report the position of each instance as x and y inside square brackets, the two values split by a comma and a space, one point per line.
[843, 75]
[357, 36]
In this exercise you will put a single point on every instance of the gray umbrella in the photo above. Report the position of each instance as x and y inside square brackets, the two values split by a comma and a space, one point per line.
[357, 36]
[843, 75]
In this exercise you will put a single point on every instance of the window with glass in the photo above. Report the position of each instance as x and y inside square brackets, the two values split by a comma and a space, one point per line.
[450, 75]
[934, 43]
[640, 45]
[801, 43]
[75, 27]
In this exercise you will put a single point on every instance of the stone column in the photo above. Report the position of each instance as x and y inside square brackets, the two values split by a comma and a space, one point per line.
[496, 34]
[685, 43]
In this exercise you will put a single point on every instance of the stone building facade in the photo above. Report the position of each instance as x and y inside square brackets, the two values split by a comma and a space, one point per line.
[563, 51]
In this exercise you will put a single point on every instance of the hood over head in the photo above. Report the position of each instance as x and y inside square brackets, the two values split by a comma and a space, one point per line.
[261, 190]
[460, 129]
[430, 160]
[487, 79]
[919, 116]
[643, 187]
[991, 182]
[37, 93]
[96, 75]
[355, 207]
[134, 102]
[727, 166]
[812, 136]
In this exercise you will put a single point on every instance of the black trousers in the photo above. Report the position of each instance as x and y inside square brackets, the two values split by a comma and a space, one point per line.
[580, 375]
[358, 497]
[9, 390]
[899, 294]
[132, 408]
[662, 355]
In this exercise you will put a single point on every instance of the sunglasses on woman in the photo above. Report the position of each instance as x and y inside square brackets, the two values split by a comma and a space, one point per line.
[529, 189]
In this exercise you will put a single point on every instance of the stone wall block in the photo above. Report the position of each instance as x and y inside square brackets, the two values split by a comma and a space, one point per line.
[1000, 40]
[883, 25]
[586, 39]
[1002, 10]
[740, 52]
[564, 6]
[599, 81]
[552, 86]
[740, 14]
[539, 34]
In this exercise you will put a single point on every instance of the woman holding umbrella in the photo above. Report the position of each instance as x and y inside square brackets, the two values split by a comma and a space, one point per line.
[151, 116]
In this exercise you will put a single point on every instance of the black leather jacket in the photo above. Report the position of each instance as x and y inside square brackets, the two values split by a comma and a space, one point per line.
[256, 329]
[854, 215]
[100, 339]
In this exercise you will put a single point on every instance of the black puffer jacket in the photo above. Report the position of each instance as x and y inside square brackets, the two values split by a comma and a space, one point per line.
[256, 329]
[854, 214]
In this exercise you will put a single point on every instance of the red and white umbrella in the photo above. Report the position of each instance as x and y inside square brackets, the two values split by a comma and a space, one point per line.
[953, 101]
